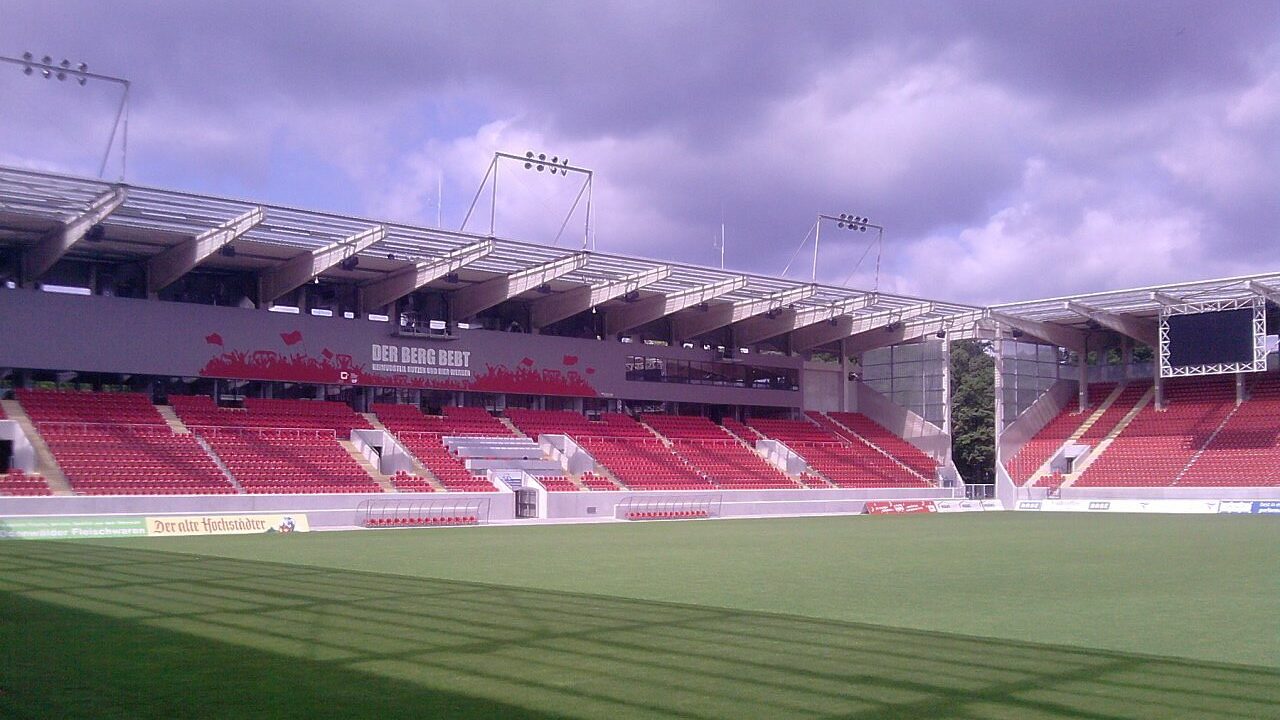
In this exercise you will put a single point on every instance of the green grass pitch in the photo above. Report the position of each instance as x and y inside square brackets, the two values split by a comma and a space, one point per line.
[997, 615]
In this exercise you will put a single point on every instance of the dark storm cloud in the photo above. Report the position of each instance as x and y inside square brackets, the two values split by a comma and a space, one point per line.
[988, 136]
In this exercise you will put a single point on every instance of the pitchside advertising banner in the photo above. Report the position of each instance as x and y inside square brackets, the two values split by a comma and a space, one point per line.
[70, 528]
[912, 507]
[1233, 507]
[107, 334]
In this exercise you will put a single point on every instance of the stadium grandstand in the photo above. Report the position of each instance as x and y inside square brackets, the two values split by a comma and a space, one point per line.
[165, 352]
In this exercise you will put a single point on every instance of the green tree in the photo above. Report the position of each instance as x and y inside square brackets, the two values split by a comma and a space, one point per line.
[973, 410]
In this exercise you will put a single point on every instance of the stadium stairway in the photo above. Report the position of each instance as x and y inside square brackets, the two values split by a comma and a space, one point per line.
[46, 466]
[218, 461]
[418, 468]
[1044, 471]
[172, 420]
[511, 426]
[1208, 442]
[1070, 478]
[362, 461]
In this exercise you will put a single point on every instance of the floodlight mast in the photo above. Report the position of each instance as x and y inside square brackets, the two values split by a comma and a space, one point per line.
[538, 162]
[80, 72]
[852, 223]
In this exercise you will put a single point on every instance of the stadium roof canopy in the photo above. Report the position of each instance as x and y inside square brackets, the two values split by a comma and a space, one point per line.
[48, 217]
[1134, 313]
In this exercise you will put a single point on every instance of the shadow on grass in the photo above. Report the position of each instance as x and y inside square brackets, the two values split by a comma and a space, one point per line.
[90, 631]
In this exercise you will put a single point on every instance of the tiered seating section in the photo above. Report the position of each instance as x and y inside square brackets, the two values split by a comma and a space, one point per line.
[200, 410]
[1037, 451]
[718, 455]
[630, 451]
[456, 421]
[17, 483]
[593, 481]
[1246, 451]
[405, 482]
[290, 462]
[864, 428]
[743, 432]
[610, 425]
[423, 436]
[847, 462]
[1155, 447]
[281, 446]
[118, 444]
[558, 484]
[1201, 439]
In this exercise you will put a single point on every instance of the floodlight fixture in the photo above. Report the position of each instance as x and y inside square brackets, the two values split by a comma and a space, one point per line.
[538, 162]
[853, 223]
[80, 73]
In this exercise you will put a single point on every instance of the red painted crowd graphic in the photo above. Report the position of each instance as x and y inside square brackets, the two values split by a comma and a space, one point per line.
[297, 364]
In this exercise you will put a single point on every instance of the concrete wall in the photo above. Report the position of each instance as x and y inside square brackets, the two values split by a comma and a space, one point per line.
[1060, 395]
[822, 384]
[322, 511]
[45, 330]
[24, 455]
[739, 502]
[911, 427]
[1168, 493]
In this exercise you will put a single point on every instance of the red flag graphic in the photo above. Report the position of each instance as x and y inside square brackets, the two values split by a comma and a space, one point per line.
[214, 339]
[327, 353]
[291, 338]
[527, 362]
[570, 359]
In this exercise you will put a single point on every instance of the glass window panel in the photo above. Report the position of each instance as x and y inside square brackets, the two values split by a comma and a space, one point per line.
[907, 353]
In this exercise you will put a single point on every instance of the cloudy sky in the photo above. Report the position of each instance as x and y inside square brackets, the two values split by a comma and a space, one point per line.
[1011, 149]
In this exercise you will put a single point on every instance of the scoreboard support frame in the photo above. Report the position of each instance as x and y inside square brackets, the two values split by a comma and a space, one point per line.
[1259, 363]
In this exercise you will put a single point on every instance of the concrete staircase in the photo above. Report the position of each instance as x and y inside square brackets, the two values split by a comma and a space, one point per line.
[1147, 397]
[46, 466]
[226, 471]
[382, 480]
[375, 422]
[172, 420]
[1044, 470]
[418, 468]
[511, 426]
[1206, 444]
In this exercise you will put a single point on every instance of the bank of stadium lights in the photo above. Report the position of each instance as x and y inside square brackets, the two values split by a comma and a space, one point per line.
[852, 223]
[79, 72]
[542, 163]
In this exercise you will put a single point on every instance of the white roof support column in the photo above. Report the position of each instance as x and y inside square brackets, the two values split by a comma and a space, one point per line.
[1059, 335]
[758, 329]
[37, 260]
[381, 293]
[567, 304]
[906, 331]
[164, 269]
[301, 269]
[1140, 329]
[694, 323]
[477, 298]
[1271, 294]
[844, 326]
[624, 318]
